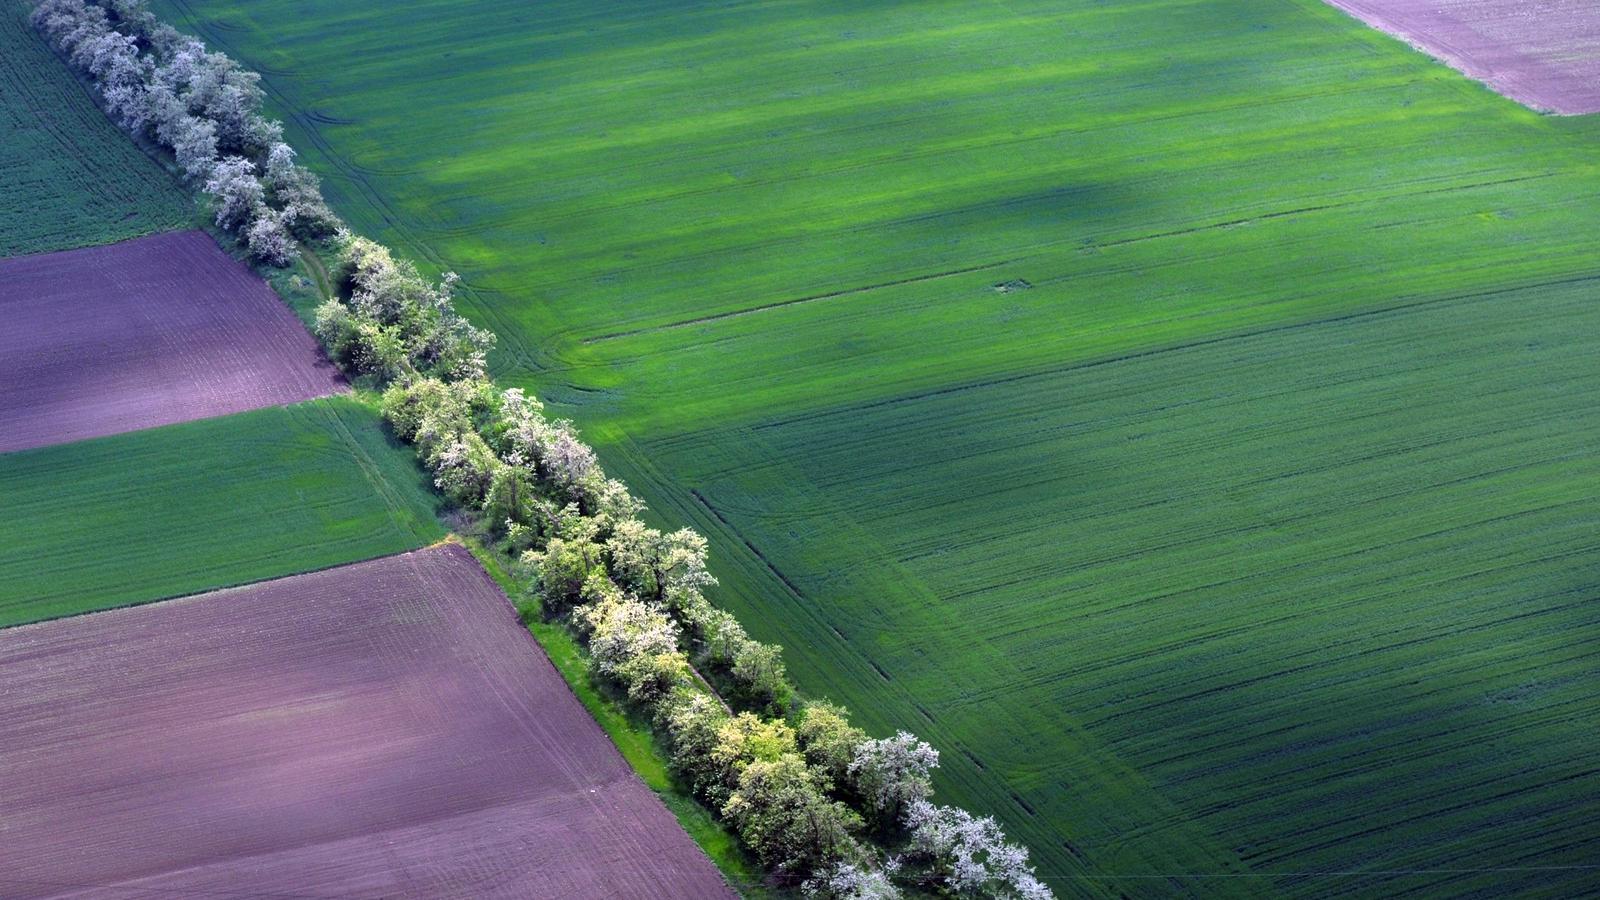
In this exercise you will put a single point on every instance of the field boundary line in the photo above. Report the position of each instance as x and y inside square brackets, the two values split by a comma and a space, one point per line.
[777, 304]
[1336, 873]
[190, 595]
[1285, 327]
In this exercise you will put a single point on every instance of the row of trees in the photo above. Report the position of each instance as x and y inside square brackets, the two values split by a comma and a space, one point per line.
[164, 87]
[820, 803]
[392, 321]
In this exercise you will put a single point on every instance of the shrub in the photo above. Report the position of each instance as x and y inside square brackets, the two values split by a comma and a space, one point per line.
[721, 634]
[562, 569]
[407, 406]
[851, 881]
[969, 856]
[828, 739]
[464, 468]
[892, 773]
[408, 323]
[512, 498]
[758, 671]
[780, 813]
[194, 144]
[232, 181]
[298, 192]
[634, 644]
[692, 722]
[268, 239]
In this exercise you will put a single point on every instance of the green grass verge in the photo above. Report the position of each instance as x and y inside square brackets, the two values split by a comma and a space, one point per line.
[633, 739]
[1185, 557]
[186, 508]
[71, 177]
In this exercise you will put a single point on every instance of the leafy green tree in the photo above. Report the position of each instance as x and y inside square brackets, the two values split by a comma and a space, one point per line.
[779, 811]
[562, 570]
[512, 498]
[758, 668]
[828, 739]
[666, 568]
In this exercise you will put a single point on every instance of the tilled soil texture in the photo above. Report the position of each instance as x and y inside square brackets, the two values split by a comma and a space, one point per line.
[384, 729]
[146, 332]
[1540, 53]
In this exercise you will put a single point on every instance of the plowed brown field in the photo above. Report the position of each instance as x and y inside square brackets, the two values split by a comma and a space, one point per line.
[147, 332]
[1541, 53]
[385, 729]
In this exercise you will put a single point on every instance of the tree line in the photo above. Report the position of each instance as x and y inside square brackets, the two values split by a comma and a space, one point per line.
[164, 87]
[820, 804]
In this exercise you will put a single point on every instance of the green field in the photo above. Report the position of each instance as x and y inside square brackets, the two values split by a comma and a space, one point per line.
[70, 178]
[1254, 539]
[186, 508]
[192, 507]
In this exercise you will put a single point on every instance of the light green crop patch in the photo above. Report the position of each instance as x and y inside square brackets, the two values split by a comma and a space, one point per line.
[193, 507]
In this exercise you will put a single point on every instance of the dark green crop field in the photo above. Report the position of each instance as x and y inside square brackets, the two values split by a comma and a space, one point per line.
[192, 507]
[68, 177]
[1183, 414]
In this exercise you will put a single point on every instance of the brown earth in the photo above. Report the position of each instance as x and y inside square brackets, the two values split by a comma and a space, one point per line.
[1541, 53]
[384, 729]
[147, 332]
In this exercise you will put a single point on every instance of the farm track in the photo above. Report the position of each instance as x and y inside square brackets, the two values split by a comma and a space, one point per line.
[1238, 519]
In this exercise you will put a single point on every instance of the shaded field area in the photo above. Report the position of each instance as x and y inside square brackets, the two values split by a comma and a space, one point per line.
[1027, 366]
[192, 507]
[384, 729]
[146, 332]
[1544, 53]
[1294, 598]
[71, 177]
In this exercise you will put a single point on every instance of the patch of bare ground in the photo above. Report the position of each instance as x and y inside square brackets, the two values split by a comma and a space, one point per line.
[1542, 53]
[146, 332]
[384, 729]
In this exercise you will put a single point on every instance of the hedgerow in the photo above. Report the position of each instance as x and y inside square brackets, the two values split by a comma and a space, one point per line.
[818, 802]
[166, 88]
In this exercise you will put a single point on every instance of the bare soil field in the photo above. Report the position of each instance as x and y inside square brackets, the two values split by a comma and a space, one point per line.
[382, 729]
[1541, 53]
[146, 332]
